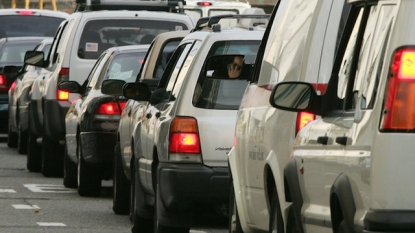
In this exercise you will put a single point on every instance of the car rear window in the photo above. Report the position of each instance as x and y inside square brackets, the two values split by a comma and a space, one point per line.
[224, 93]
[99, 35]
[126, 66]
[14, 53]
[27, 25]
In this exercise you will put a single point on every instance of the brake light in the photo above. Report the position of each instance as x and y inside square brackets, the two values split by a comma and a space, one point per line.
[25, 12]
[3, 83]
[110, 108]
[62, 95]
[204, 4]
[122, 105]
[399, 106]
[184, 136]
[13, 86]
[303, 118]
[63, 75]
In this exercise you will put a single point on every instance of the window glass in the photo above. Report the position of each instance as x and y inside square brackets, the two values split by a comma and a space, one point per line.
[368, 79]
[46, 49]
[95, 73]
[99, 35]
[226, 93]
[164, 57]
[27, 25]
[125, 66]
[14, 53]
[173, 77]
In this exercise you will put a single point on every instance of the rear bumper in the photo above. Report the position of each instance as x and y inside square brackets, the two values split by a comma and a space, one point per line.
[98, 147]
[389, 221]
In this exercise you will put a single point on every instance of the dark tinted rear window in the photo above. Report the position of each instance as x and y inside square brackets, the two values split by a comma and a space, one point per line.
[26, 25]
[99, 35]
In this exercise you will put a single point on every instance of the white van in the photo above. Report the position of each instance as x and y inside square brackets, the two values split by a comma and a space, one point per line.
[199, 8]
[300, 44]
[352, 169]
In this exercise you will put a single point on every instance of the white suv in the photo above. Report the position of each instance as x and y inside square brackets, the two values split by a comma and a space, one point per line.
[182, 140]
[299, 44]
[352, 169]
[79, 42]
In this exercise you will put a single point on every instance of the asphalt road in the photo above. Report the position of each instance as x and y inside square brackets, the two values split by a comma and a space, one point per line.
[32, 203]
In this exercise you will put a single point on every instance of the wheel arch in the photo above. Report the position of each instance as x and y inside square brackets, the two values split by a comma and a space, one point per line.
[342, 203]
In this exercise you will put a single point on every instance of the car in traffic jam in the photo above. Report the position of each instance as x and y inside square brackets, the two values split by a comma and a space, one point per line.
[301, 120]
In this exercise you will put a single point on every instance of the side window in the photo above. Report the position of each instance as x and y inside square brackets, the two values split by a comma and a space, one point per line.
[57, 43]
[145, 63]
[94, 74]
[183, 50]
[164, 56]
[185, 69]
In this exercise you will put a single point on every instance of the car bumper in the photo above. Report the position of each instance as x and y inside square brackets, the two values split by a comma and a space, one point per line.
[182, 185]
[98, 147]
[377, 221]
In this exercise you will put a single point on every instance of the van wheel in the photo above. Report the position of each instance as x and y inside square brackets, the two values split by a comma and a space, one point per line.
[21, 140]
[11, 138]
[52, 158]
[70, 169]
[34, 153]
[291, 224]
[121, 185]
[89, 185]
[234, 224]
[276, 223]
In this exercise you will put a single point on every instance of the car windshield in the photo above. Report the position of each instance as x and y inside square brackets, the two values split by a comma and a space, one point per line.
[14, 53]
[99, 35]
[126, 66]
[27, 25]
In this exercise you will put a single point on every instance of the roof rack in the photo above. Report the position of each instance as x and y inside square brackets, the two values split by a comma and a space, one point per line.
[213, 20]
[96, 5]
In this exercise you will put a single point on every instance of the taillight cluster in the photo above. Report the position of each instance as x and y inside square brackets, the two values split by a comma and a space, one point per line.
[399, 107]
[3, 83]
[110, 110]
[303, 118]
[63, 76]
[184, 140]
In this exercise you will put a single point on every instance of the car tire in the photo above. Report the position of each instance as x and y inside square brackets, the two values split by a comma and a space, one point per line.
[21, 140]
[89, 185]
[52, 158]
[291, 223]
[34, 153]
[70, 171]
[234, 223]
[121, 185]
[276, 223]
[343, 228]
[11, 138]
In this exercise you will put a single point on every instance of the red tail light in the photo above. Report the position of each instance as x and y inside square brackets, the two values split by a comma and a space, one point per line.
[122, 105]
[184, 136]
[3, 83]
[110, 108]
[303, 118]
[13, 86]
[63, 95]
[63, 75]
[204, 4]
[399, 107]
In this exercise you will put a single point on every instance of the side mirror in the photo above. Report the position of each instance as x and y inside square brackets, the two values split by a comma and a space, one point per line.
[293, 96]
[11, 70]
[69, 86]
[35, 58]
[136, 91]
[227, 67]
[112, 87]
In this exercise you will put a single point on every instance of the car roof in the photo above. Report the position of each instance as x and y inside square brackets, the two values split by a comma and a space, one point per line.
[23, 39]
[33, 12]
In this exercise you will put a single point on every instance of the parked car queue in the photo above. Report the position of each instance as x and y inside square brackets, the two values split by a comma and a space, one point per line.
[328, 171]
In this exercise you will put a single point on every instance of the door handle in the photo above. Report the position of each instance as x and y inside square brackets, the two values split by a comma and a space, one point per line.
[323, 140]
[342, 140]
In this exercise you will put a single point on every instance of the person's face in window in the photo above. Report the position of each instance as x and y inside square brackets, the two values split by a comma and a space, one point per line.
[235, 67]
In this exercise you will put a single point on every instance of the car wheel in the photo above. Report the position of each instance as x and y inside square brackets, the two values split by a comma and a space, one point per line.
[159, 228]
[70, 169]
[343, 228]
[121, 185]
[234, 224]
[89, 185]
[291, 223]
[11, 138]
[52, 158]
[21, 140]
[34, 153]
[276, 223]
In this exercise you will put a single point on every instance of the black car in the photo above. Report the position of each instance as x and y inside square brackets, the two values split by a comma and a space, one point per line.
[92, 120]
[12, 52]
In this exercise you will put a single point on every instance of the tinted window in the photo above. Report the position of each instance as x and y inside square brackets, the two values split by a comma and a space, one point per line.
[225, 93]
[26, 25]
[99, 35]
[125, 66]
[164, 57]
